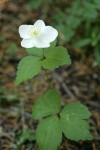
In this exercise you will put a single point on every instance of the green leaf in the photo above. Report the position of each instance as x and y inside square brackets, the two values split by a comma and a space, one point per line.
[73, 122]
[97, 55]
[97, 2]
[47, 104]
[77, 109]
[35, 51]
[26, 135]
[90, 11]
[50, 58]
[48, 134]
[34, 4]
[28, 67]
[66, 32]
[73, 21]
[82, 42]
[53, 44]
[12, 48]
[39, 51]
[37, 3]
[55, 57]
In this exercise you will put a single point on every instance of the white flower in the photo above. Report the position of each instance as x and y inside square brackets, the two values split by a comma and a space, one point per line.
[38, 35]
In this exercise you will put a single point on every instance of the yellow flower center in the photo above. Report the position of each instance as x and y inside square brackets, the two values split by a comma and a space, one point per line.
[34, 32]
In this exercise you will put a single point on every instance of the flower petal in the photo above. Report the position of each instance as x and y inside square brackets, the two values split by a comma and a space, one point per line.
[50, 34]
[23, 31]
[27, 43]
[39, 43]
[39, 24]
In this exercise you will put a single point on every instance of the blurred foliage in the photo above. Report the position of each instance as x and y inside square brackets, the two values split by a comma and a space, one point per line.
[77, 21]
[2, 38]
[36, 3]
[22, 137]
[12, 48]
[6, 95]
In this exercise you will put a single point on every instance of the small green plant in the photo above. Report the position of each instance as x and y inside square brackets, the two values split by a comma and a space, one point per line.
[22, 137]
[80, 28]
[12, 49]
[37, 3]
[71, 120]
[6, 95]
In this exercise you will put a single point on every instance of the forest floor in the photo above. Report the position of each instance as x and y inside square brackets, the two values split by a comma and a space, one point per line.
[79, 81]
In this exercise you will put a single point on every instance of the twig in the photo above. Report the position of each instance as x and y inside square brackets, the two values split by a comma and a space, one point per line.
[65, 87]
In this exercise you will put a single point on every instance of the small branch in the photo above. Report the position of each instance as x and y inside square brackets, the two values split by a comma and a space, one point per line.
[65, 87]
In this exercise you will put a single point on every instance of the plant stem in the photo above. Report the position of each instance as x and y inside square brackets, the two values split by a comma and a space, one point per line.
[46, 72]
[43, 53]
[47, 75]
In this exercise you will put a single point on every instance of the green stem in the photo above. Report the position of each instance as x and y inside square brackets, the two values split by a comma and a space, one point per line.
[43, 53]
[46, 71]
